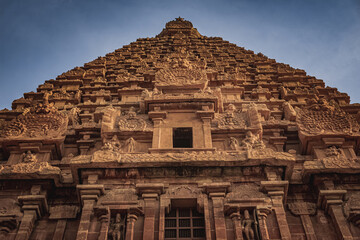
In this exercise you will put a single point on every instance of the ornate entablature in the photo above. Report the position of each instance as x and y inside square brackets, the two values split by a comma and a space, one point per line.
[181, 136]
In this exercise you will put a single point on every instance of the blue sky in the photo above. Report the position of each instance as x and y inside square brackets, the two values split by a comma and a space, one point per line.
[40, 39]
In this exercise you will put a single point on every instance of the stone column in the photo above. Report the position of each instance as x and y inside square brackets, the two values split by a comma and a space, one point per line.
[103, 214]
[88, 195]
[206, 117]
[263, 212]
[331, 201]
[26, 226]
[164, 205]
[207, 218]
[277, 191]
[150, 194]
[157, 117]
[131, 219]
[304, 210]
[235, 217]
[61, 213]
[216, 192]
[60, 229]
[34, 207]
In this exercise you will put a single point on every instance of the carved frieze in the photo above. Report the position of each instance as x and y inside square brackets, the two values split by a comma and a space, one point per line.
[130, 121]
[178, 70]
[231, 119]
[245, 191]
[322, 118]
[41, 121]
[183, 191]
[30, 164]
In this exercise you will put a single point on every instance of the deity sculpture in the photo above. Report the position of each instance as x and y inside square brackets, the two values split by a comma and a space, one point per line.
[233, 143]
[28, 157]
[117, 228]
[252, 141]
[74, 116]
[248, 227]
[333, 151]
[130, 144]
[112, 145]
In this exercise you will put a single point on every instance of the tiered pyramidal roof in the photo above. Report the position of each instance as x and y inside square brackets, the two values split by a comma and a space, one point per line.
[140, 64]
[181, 120]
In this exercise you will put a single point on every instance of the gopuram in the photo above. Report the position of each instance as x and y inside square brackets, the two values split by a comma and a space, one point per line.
[181, 136]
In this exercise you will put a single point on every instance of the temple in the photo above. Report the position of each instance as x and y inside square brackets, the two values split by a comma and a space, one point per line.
[181, 136]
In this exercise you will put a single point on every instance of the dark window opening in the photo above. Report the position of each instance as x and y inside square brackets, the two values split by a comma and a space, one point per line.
[182, 138]
[184, 223]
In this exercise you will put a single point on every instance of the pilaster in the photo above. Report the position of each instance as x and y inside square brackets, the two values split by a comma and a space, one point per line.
[103, 214]
[263, 212]
[277, 191]
[304, 210]
[331, 201]
[34, 207]
[217, 192]
[150, 194]
[88, 195]
[132, 217]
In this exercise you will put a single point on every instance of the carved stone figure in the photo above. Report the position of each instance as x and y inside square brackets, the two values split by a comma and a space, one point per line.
[333, 152]
[130, 144]
[74, 116]
[117, 228]
[112, 145]
[29, 157]
[248, 226]
[233, 143]
[252, 141]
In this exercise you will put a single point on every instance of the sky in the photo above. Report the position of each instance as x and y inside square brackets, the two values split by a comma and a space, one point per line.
[40, 39]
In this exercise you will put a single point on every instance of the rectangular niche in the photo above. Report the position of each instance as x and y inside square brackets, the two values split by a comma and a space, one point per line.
[182, 137]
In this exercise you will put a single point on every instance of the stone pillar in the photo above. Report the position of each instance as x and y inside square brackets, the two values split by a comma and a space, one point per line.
[216, 192]
[26, 226]
[131, 219]
[88, 195]
[207, 218]
[263, 212]
[235, 217]
[156, 133]
[157, 117]
[164, 206]
[61, 213]
[331, 201]
[34, 207]
[150, 194]
[277, 191]
[60, 229]
[206, 117]
[304, 210]
[103, 214]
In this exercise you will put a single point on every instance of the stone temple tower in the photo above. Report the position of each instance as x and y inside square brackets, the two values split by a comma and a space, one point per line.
[181, 136]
